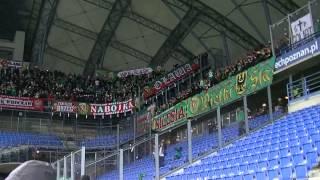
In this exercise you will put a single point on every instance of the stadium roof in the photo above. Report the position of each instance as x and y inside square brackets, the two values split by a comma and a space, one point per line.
[127, 34]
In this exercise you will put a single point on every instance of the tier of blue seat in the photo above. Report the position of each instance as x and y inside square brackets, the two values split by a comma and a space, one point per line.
[13, 139]
[106, 141]
[201, 144]
[287, 149]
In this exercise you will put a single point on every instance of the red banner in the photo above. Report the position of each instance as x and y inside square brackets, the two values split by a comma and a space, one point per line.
[61, 106]
[111, 108]
[169, 79]
[24, 103]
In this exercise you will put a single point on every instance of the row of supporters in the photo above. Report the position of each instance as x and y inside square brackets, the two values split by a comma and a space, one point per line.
[231, 89]
[203, 80]
[177, 74]
[102, 88]
[38, 104]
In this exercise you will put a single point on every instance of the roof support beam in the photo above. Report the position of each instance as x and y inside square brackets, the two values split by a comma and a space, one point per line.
[44, 25]
[255, 28]
[192, 32]
[64, 56]
[284, 6]
[182, 55]
[92, 35]
[175, 38]
[105, 35]
[32, 26]
[217, 21]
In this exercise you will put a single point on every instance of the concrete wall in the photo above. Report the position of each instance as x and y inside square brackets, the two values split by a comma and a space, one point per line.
[304, 102]
[16, 46]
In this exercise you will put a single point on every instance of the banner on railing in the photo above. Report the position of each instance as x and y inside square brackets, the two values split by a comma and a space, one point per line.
[134, 72]
[170, 79]
[297, 55]
[244, 83]
[23, 103]
[14, 64]
[68, 107]
[111, 108]
[302, 28]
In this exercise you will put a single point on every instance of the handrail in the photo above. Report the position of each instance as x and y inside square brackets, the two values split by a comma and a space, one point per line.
[304, 86]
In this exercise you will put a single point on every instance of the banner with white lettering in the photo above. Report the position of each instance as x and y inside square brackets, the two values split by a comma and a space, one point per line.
[14, 64]
[302, 28]
[111, 108]
[134, 72]
[23, 103]
[68, 107]
[169, 79]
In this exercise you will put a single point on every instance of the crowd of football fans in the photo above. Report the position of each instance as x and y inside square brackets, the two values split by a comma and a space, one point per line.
[33, 82]
[210, 78]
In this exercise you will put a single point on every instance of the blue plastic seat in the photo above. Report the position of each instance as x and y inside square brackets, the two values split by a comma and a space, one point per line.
[285, 161]
[286, 173]
[298, 159]
[301, 171]
[261, 175]
[273, 163]
[312, 158]
[273, 173]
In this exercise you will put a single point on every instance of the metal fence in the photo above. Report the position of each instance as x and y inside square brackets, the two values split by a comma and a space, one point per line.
[304, 87]
[180, 145]
[295, 27]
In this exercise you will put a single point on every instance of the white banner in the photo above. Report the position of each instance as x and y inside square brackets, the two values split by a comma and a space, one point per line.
[302, 28]
[134, 72]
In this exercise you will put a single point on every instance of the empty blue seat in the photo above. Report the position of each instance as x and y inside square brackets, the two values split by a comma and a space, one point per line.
[273, 173]
[286, 173]
[301, 171]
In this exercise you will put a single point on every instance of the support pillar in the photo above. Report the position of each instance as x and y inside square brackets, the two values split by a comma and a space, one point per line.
[58, 170]
[219, 127]
[245, 110]
[64, 167]
[134, 135]
[189, 141]
[83, 160]
[270, 103]
[156, 156]
[121, 164]
[118, 137]
[72, 166]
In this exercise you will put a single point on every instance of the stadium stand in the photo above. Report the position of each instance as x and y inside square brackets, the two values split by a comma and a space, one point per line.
[13, 139]
[287, 149]
[201, 145]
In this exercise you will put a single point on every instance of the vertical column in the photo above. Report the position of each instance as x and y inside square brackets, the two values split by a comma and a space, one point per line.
[95, 164]
[156, 155]
[245, 110]
[134, 135]
[219, 127]
[118, 137]
[72, 166]
[64, 167]
[189, 141]
[83, 160]
[289, 88]
[201, 69]
[58, 169]
[121, 164]
[270, 103]
[304, 86]
[290, 33]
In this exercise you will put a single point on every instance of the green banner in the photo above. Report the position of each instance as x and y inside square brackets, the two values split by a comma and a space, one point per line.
[231, 89]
